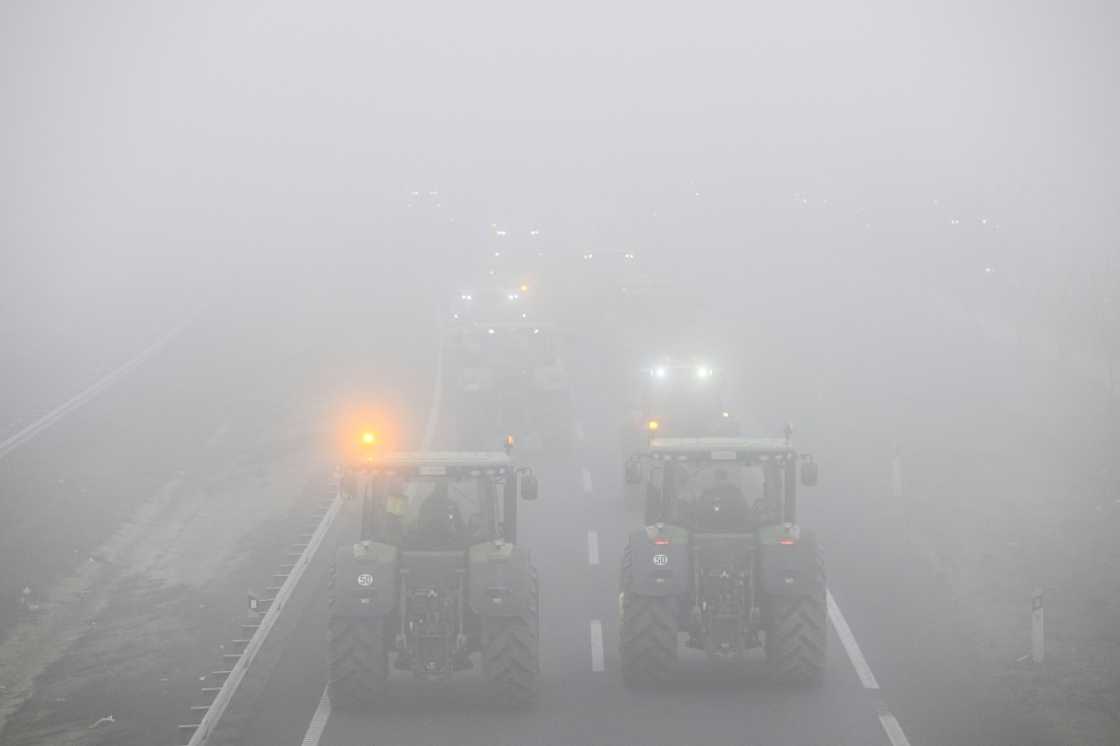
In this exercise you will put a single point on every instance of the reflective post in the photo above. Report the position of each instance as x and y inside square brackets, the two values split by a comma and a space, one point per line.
[1038, 628]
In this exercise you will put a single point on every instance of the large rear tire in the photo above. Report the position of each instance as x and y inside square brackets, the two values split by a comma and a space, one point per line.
[359, 664]
[797, 633]
[647, 635]
[511, 652]
[359, 659]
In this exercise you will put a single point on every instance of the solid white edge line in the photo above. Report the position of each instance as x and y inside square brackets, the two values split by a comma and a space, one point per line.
[848, 640]
[893, 730]
[218, 707]
[318, 724]
[596, 646]
[73, 403]
[587, 486]
[318, 721]
[593, 547]
[891, 727]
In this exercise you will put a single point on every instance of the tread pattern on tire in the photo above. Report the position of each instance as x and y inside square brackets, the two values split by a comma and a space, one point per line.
[797, 635]
[359, 661]
[510, 651]
[647, 634]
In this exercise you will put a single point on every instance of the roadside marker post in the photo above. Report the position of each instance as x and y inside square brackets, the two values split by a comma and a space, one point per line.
[1038, 628]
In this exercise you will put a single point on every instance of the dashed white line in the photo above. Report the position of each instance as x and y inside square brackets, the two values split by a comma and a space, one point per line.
[893, 730]
[596, 645]
[848, 640]
[593, 547]
[587, 487]
[579, 432]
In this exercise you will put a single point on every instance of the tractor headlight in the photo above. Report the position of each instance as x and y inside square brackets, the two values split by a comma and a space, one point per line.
[703, 372]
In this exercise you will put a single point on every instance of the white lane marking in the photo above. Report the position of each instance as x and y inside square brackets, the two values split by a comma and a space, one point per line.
[74, 403]
[579, 432]
[318, 724]
[593, 547]
[318, 721]
[893, 730]
[587, 487]
[596, 645]
[890, 723]
[848, 640]
[214, 715]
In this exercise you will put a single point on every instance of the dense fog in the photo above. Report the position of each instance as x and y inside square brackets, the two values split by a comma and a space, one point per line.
[893, 224]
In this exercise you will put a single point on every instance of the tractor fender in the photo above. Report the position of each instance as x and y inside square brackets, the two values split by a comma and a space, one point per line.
[790, 569]
[500, 579]
[364, 579]
[660, 562]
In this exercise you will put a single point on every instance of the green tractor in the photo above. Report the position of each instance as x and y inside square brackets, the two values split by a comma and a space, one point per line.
[723, 560]
[436, 577]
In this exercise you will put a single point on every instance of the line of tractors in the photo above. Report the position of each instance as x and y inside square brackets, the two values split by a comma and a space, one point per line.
[438, 582]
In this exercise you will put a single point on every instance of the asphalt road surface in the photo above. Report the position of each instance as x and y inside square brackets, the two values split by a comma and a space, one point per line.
[576, 531]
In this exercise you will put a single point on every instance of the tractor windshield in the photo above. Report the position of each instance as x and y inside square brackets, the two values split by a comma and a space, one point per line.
[518, 347]
[433, 512]
[718, 496]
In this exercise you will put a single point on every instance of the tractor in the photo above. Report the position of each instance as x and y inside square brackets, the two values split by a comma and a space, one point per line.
[436, 577]
[672, 398]
[510, 379]
[722, 561]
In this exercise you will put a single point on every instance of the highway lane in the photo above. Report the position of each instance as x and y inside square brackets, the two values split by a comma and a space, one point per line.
[220, 421]
[581, 698]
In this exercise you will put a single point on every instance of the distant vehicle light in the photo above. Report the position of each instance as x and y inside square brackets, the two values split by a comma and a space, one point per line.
[589, 255]
[514, 296]
[524, 288]
[466, 296]
[368, 438]
[726, 415]
[627, 255]
[490, 331]
[703, 372]
[653, 426]
[660, 372]
[536, 331]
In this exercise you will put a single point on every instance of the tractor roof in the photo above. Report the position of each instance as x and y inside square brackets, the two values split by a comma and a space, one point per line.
[441, 463]
[502, 326]
[715, 447]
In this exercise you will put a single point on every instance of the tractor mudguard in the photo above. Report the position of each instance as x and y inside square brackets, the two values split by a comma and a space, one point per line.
[660, 564]
[365, 579]
[500, 579]
[789, 563]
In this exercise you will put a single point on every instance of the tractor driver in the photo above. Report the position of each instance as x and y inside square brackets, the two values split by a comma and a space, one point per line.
[440, 522]
[722, 507]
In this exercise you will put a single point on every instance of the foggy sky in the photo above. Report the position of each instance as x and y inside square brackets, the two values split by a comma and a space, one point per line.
[153, 151]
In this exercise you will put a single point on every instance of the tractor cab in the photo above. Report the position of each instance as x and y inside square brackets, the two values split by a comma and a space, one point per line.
[436, 576]
[721, 558]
